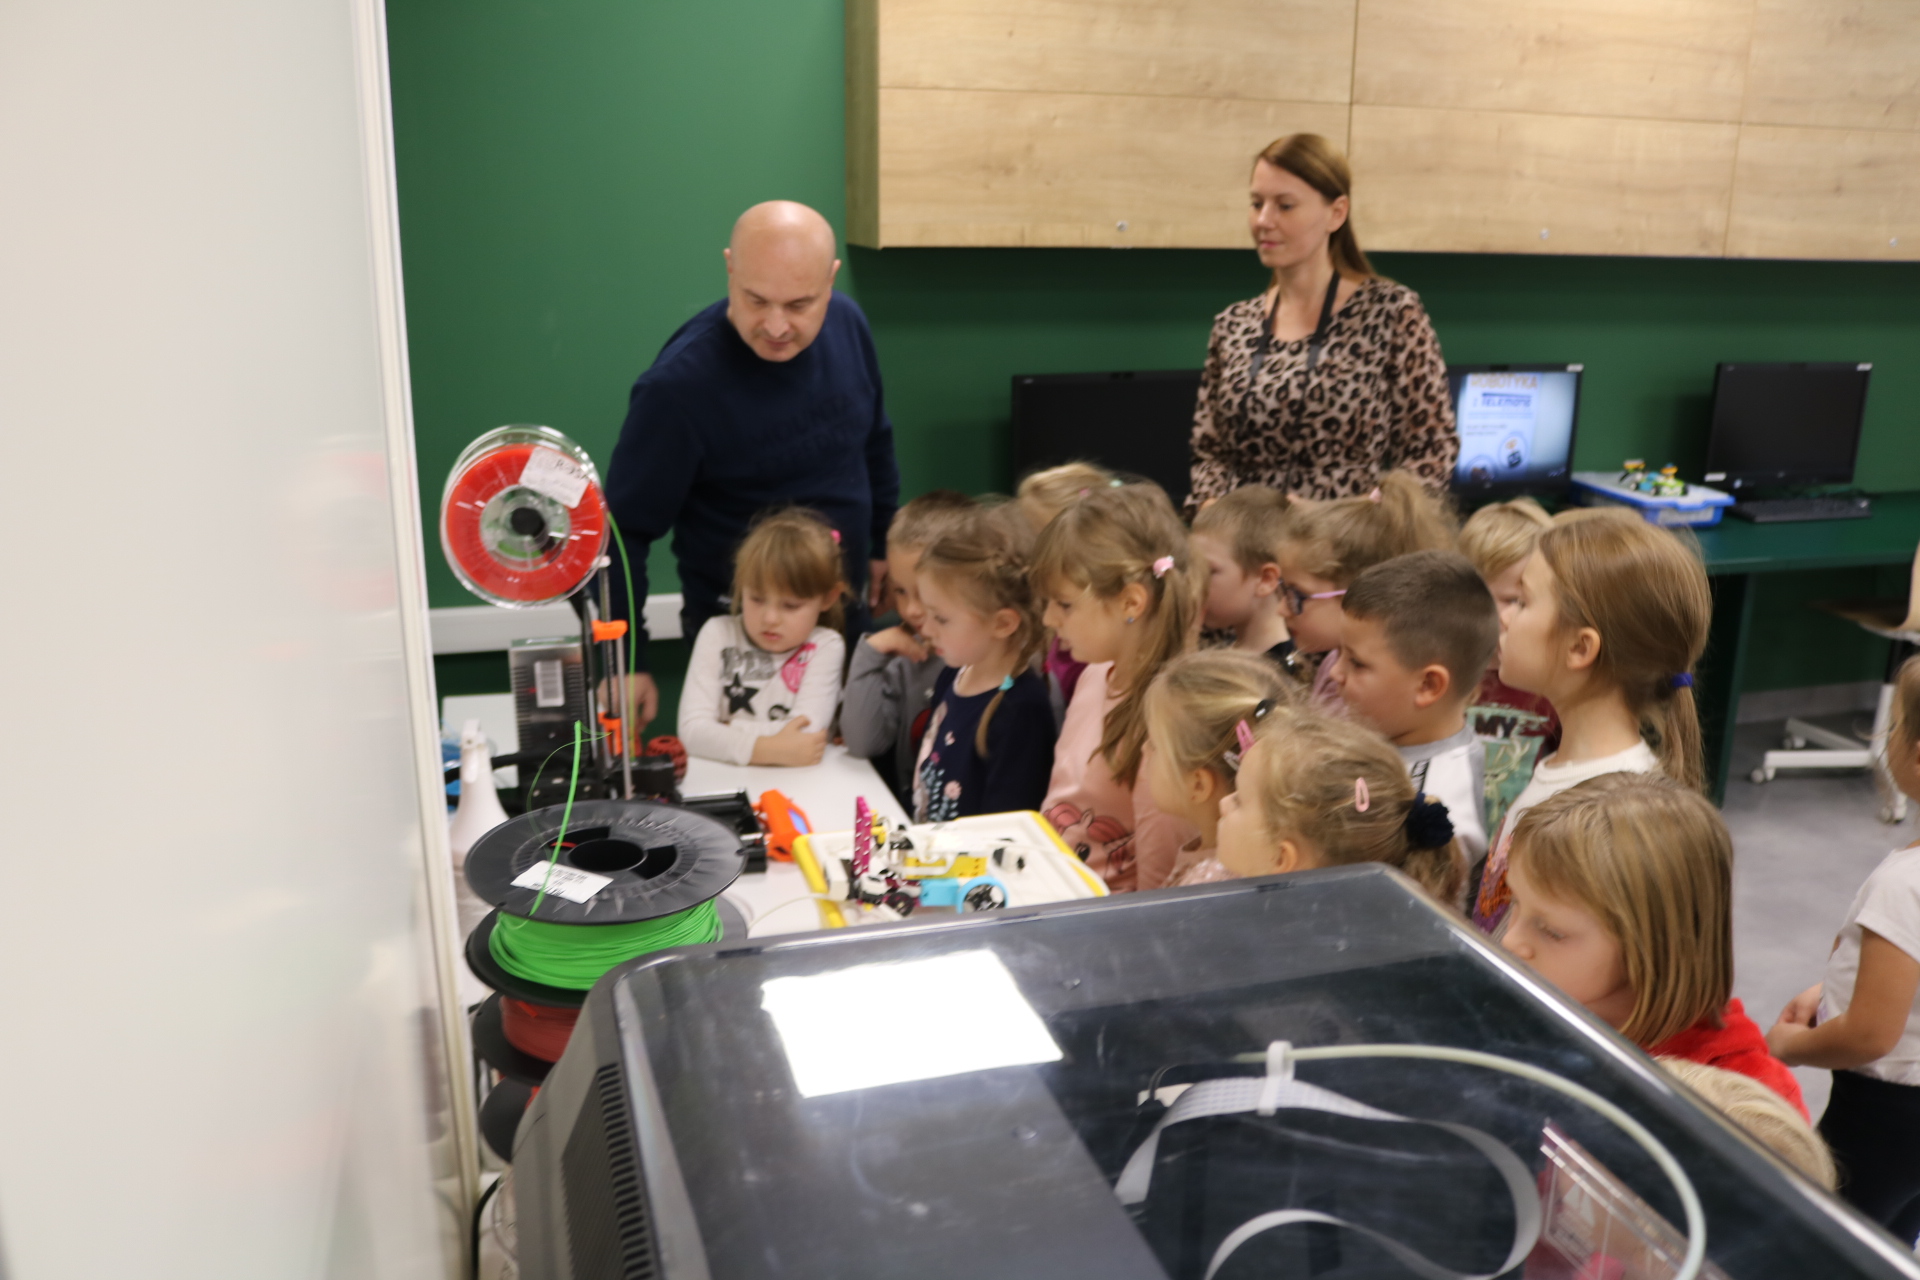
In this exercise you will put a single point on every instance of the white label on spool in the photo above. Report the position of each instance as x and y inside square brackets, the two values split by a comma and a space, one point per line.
[550, 472]
[568, 882]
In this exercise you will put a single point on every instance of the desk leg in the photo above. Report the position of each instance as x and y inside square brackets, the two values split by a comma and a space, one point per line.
[1722, 669]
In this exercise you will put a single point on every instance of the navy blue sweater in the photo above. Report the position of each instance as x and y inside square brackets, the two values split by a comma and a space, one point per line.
[715, 435]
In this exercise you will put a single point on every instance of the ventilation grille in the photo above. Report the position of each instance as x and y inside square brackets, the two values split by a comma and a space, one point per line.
[608, 1232]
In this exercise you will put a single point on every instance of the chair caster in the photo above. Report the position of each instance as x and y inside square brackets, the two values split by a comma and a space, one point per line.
[1760, 776]
[1794, 744]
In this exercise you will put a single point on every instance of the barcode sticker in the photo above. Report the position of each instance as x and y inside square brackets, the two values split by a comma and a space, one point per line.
[567, 882]
[549, 683]
[554, 474]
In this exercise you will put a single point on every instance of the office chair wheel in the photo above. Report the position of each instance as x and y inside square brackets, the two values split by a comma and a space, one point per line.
[1793, 743]
[1760, 776]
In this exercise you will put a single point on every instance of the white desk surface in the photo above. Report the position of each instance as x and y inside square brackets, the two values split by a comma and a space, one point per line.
[779, 901]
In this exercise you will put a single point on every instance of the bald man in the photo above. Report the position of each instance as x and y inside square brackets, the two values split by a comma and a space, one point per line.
[771, 397]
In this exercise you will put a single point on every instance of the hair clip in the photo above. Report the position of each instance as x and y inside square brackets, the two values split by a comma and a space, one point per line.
[1161, 566]
[836, 536]
[1682, 681]
[1362, 801]
[1375, 495]
[1243, 735]
[1085, 492]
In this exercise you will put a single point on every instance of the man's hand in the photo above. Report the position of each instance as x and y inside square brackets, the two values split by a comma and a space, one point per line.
[793, 745]
[876, 584]
[901, 641]
[645, 697]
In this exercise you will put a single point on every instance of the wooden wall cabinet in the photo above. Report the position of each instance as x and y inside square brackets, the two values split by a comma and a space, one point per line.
[1753, 128]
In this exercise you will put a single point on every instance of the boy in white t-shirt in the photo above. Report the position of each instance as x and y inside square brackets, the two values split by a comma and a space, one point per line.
[1868, 1024]
[1416, 635]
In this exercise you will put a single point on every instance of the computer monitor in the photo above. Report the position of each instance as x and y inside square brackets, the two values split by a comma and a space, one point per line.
[1516, 424]
[1777, 425]
[1137, 422]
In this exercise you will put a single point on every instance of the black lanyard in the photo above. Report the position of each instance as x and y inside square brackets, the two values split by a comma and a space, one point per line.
[1314, 343]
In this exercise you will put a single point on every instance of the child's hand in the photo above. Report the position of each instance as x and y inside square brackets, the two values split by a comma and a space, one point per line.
[901, 641]
[1795, 1021]
[793, 745]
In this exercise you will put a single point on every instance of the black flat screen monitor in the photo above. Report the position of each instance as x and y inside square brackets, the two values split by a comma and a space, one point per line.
[1516, 424]
[1139, 422]
[1785, 424]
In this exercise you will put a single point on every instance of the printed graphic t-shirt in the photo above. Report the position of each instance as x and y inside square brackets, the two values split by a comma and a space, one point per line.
[952, 780]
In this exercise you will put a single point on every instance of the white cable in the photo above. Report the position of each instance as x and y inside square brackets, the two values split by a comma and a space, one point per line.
[1689, 1198]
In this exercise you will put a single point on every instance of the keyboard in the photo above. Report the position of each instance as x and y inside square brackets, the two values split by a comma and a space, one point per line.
[1788, 510]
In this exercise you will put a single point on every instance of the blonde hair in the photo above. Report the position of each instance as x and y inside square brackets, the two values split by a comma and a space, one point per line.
[1644, 590]
[1766, 1116]
[985, 555]
[1906, 702]
[1305, 784]
[1502, 534]
[792, 551]
[1653, 863]
[1318, 163]
[924, 518]
[1251, 521]
[1046, 493]
[1098, 546]
[1338, 540]
[1198, 698]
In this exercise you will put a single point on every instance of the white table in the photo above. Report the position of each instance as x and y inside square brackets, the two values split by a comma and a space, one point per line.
[779, 900]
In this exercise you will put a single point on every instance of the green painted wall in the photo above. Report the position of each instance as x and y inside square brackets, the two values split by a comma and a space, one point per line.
[568, 174]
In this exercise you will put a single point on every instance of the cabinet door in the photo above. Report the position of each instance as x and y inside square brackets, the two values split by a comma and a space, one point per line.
[1826, 193]
[1646, 59]
[1513, 182]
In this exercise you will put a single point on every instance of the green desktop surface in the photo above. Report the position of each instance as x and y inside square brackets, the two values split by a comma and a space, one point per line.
[1736, 550]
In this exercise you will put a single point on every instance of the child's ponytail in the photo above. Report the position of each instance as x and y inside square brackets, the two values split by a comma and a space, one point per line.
[1644, 590]
[1339, 540]
[985, 556]
[1099, 545]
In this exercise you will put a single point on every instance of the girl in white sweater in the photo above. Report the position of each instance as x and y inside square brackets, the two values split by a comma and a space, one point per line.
[763, 680]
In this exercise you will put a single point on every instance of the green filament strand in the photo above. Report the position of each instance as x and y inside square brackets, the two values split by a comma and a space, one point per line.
[574, 956]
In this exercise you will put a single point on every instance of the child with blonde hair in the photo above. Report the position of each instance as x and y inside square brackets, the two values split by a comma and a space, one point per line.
[890, 680]
[1119, 589]
[989, 745]
[1329, 544]
[1517, 727]
[1194, 709]
[1622, 896]
[1863, 1021]
[763, 676]
[1042, 496]
[1611, 617]
[1766, 1116]
[1313, 791]
[1238, 536]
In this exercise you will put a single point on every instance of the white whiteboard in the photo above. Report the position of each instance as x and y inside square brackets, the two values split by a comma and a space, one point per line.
[225, 1047]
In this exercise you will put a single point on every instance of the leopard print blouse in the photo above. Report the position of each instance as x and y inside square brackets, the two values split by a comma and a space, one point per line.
[1377, 400]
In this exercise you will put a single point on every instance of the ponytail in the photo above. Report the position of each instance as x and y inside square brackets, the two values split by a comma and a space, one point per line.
[1644, 590]
[1102, 543]
[1341, 539]
[985, 554]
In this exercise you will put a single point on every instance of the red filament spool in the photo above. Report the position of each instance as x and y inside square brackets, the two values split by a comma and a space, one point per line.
[541, 1030]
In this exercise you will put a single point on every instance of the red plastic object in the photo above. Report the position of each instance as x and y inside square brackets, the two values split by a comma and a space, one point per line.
[785, 822]
[554, 575]
[541, 1030]
[667, 745]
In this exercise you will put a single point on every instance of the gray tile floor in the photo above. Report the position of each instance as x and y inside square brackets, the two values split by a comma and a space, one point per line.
[1802, 845]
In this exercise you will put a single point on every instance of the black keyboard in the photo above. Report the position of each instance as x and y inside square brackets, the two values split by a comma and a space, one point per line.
[1787, 510]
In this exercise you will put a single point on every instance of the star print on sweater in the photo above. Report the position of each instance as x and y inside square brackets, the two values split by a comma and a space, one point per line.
[722, 712]
[739, 695]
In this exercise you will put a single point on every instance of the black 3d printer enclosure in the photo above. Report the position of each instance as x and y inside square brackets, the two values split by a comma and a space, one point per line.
[674, 1138]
